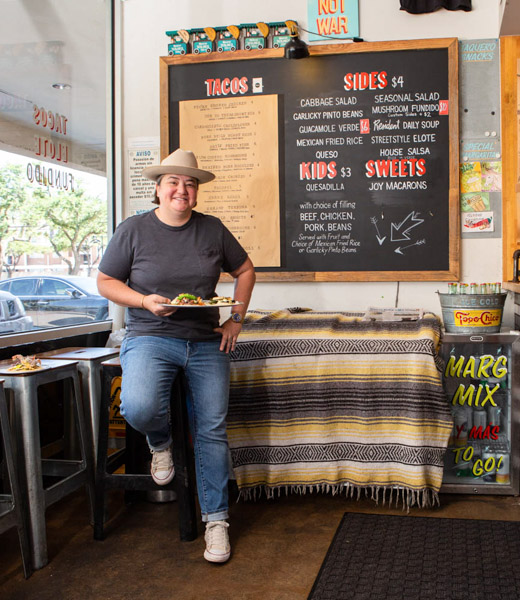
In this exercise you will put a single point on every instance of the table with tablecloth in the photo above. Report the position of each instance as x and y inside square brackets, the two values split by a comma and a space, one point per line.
[329, 402]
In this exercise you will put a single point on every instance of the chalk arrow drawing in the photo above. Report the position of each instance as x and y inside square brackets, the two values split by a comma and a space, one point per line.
[400, 249]
[380, 239]
[399, 233]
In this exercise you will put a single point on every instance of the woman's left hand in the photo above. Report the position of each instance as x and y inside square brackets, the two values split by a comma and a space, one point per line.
[229, 330]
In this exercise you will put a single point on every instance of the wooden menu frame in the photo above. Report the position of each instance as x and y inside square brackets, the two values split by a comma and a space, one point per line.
[452, 272]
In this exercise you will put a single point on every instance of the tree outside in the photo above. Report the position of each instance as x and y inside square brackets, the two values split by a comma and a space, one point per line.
[38, 220]
[71, 222]
[12, 197]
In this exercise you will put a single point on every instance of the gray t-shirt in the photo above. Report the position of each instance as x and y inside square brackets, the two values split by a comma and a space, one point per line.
[155, 258]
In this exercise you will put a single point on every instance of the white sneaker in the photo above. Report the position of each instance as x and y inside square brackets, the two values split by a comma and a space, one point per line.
[162, 468]
[217, 542]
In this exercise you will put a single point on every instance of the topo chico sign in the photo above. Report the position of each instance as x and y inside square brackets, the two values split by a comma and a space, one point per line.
[478, 318]
[367, 153]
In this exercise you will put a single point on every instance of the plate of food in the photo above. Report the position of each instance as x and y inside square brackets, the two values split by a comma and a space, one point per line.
[25, 364]
[194, 301]
[222, 301]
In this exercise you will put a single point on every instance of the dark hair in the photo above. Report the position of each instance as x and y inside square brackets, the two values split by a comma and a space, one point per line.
[158, 182]
[155, 196]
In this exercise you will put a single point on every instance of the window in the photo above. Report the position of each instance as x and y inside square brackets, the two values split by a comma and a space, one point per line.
[11, 308]
[53, 160]
[23, 287]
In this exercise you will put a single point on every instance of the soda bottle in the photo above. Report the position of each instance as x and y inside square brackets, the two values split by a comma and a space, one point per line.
[489, 463]
[494, 415]
[463, 287]
[473, 288]
[461, 427]
[452, 288]
[502, 475]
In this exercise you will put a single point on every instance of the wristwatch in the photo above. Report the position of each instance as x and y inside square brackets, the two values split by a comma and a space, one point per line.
[236, 317]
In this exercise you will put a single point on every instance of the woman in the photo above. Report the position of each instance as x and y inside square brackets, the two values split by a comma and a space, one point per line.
[152, 258]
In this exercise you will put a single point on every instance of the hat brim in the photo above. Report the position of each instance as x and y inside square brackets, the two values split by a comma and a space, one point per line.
[155, 172]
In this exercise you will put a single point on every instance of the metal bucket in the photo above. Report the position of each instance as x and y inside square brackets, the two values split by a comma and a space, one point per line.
[472, 313]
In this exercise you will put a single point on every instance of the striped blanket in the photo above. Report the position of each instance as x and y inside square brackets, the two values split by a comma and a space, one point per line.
[324, 401]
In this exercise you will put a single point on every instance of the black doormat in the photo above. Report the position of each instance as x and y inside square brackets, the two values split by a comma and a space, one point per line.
[382, 557]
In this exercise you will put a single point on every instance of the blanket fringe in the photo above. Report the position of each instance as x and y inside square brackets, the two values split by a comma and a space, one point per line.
[407, 498]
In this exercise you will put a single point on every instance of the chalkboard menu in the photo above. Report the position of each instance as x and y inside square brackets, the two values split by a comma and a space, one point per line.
[357, 145]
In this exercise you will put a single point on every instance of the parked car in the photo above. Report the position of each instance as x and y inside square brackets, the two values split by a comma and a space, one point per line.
[12, 314]
[58, 301]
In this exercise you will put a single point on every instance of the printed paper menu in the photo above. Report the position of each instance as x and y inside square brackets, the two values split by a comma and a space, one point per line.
[237, 139]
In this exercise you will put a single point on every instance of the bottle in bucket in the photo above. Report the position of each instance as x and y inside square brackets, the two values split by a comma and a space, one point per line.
[463, 288]
[452, 288]
[473, 288]
[483, 288]
[498, 287]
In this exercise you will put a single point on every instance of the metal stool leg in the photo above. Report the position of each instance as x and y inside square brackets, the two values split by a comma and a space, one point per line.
[28, 406]
[71, 441]
[183, 459]
[137, 455]
[85, 442]
[93, 393]
[102, 451]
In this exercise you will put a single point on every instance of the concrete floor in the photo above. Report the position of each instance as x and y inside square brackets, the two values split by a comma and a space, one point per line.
[277, 549]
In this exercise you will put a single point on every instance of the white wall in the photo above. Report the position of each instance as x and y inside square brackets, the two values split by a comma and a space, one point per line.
[144, 40]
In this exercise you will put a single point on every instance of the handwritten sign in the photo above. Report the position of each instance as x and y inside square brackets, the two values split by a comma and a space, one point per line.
[355, 167]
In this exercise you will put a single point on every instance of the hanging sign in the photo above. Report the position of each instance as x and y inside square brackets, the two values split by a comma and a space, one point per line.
[142, 152]
[333, 18]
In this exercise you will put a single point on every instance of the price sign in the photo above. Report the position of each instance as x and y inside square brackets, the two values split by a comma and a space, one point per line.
[397, 81]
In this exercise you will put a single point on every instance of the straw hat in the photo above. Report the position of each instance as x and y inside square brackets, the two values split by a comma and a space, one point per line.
[180, 162]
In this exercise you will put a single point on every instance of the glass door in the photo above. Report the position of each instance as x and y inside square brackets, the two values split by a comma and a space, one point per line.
[481, 384]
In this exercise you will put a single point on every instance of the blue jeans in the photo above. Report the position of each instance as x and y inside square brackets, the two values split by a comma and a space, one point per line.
[150, 364]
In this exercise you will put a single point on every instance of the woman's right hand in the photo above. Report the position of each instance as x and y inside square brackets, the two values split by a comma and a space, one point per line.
[118, 291]
[154, 303]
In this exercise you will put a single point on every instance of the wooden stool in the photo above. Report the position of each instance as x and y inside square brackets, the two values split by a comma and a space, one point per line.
[132, 457]
[72, 473]
[12, 505]
[89, 367]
